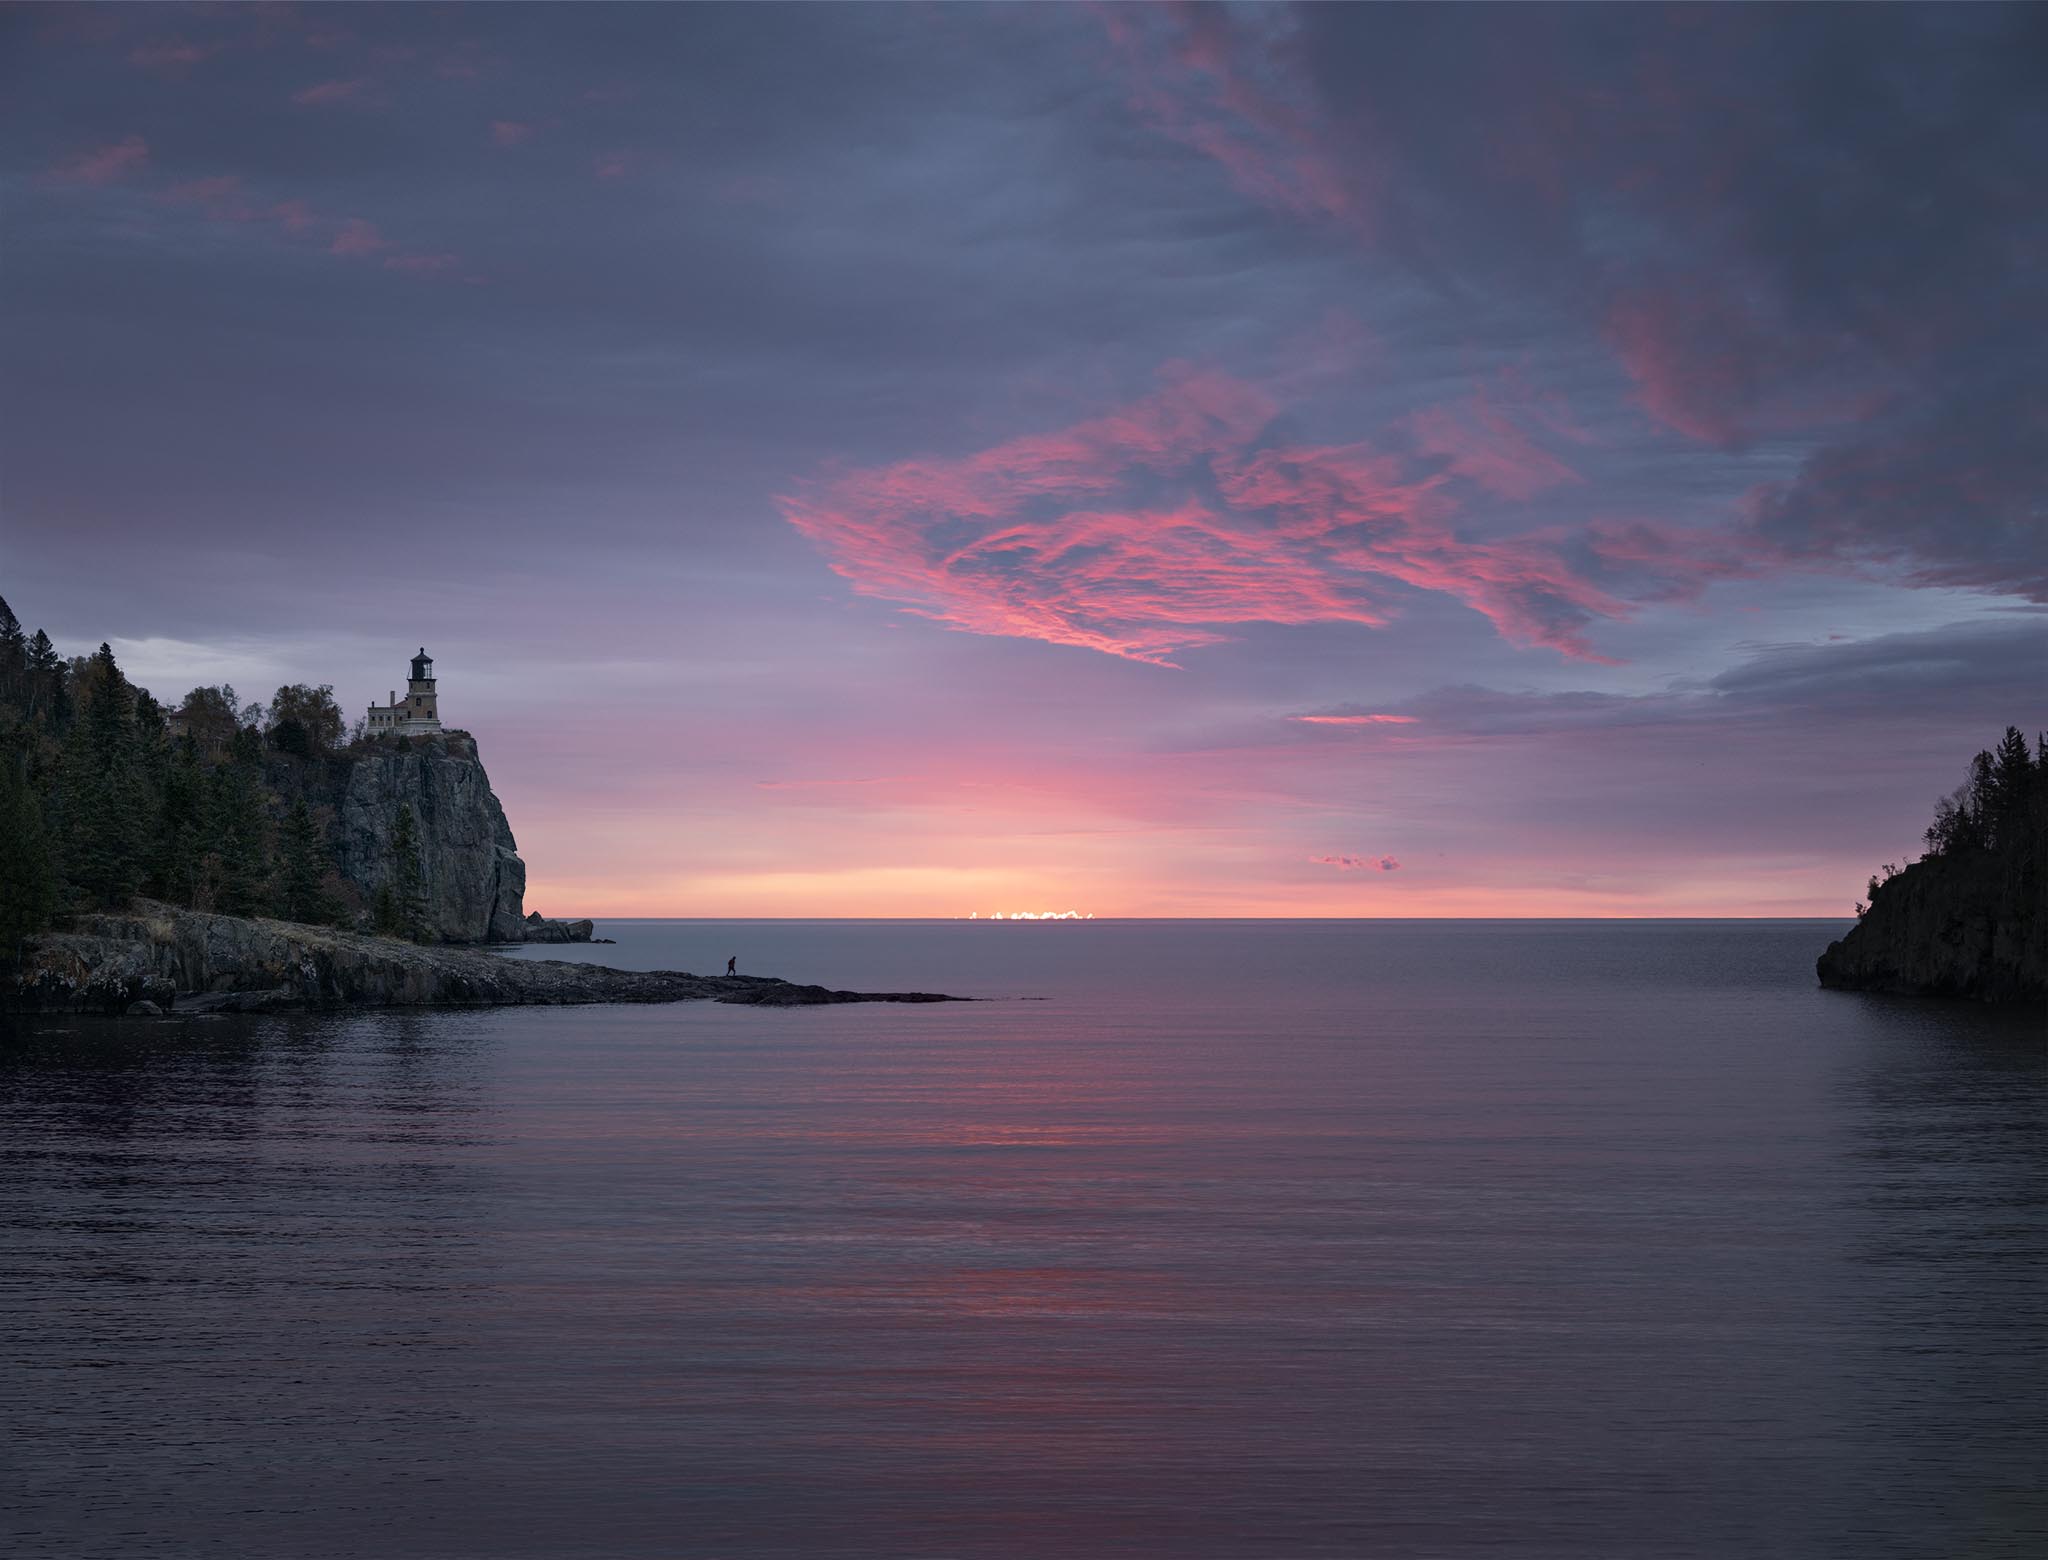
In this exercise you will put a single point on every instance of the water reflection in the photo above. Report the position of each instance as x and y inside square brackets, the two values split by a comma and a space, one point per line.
[1945, 1212]
[1550, 1262]
[241, 1262]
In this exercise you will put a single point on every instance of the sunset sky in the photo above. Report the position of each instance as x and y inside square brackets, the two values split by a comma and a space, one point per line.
[1145, 461]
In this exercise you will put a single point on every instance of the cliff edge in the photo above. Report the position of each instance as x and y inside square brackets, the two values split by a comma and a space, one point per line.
[469, 864]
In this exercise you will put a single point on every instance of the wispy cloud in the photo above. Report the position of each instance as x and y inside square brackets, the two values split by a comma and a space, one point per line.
[104, 164]
[343, 91]
[1358, 863]
[172, 55]
[1146, 531]
[358, 237]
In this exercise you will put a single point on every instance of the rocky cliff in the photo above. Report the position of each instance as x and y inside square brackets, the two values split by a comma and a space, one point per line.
[1973, 925]
[475, 882]
[157, 956]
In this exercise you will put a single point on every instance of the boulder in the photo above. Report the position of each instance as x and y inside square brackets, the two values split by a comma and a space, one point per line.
[541, 930]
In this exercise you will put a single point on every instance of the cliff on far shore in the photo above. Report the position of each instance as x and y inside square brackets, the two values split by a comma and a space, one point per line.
[1972, 926]
[157, 957]
[1970, 918]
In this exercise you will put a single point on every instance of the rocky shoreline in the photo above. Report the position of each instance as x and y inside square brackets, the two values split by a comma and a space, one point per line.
[158, 958]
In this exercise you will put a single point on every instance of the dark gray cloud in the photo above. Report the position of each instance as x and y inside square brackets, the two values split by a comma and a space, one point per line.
[1817, 226]
[1979, 675]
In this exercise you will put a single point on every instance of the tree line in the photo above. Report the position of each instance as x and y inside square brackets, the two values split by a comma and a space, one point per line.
[2002, 806]
[105, 793]
[2000, 810]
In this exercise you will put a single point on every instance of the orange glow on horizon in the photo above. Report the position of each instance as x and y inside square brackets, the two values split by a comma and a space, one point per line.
[1354, 720]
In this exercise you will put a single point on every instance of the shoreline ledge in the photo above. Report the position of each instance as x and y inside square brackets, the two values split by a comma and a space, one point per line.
[158, 958]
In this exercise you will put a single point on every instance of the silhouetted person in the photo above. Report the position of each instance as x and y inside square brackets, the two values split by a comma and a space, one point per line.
[732, 965]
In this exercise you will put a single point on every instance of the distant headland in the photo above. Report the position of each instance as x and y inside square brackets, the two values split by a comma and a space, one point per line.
[246, 855]
[1970, 917]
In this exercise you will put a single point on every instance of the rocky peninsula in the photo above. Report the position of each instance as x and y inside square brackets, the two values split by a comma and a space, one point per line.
[1970, 918]
[221, 855]
[157, 957]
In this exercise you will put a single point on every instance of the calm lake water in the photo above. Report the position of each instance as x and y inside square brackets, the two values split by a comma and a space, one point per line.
[1251, 1240]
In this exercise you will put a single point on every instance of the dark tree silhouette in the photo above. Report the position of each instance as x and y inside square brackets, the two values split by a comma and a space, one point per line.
[104, 798]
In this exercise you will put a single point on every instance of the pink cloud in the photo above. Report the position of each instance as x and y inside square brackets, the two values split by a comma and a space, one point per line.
[1230, 88]
[510, 132]
[220, 197]
[224, 197]
[1710, 363]
[1483, 444]
[612, 165]
[1355, 720]
[172, 54]
[104, 164]
[330, 92]
[1357, 863]
[358, 237]
[1144, 532]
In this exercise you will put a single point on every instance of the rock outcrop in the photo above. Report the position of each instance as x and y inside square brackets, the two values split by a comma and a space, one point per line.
[539, 929]
[1973, 925]
[469, 865]
[185, 959]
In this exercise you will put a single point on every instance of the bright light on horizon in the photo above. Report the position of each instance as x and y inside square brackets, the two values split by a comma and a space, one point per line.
[1032, 915]
[1354, 720]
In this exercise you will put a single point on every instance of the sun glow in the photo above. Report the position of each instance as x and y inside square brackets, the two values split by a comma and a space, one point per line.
[1032, 915]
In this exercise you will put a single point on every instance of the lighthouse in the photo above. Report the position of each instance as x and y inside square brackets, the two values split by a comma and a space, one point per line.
[418, 713]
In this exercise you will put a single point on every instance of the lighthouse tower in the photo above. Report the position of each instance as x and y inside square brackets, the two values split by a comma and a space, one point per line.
[418, 713]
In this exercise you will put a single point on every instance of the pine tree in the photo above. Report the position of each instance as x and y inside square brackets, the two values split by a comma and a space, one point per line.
[2012, 785]
[28, 874]
[45, 698]
[13, 661]
[384, 913]
[105, 803]
[176, 868]
[237, 830]
[303, 865]
[408, 909]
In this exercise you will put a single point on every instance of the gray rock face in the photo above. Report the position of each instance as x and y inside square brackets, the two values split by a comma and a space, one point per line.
[1975, 927]
[475, 881]
[201, 962]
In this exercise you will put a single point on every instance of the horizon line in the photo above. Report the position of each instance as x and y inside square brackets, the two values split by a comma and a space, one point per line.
[1084, 920]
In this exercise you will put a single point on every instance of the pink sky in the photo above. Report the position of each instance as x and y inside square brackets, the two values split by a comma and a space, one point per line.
[1353, 461]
